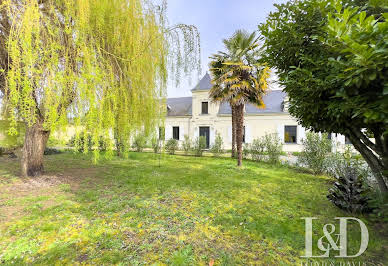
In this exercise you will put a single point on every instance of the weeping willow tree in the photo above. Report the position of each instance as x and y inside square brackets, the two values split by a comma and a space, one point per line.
[100, 65]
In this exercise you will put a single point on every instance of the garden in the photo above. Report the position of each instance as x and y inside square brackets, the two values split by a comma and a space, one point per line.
[184, 204]
[180, 210]
[119, 192]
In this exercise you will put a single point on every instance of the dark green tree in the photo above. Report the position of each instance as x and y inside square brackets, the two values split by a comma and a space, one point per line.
[332, 60]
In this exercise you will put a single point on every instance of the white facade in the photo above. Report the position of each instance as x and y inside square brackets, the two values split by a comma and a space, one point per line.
[258, 122]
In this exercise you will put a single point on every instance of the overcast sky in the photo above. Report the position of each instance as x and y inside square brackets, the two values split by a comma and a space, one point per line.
[216, 20]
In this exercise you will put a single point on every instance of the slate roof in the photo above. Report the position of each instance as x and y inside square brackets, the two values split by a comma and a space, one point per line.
[273, 101]
[183, 106]
[204, 83]
[179, 106]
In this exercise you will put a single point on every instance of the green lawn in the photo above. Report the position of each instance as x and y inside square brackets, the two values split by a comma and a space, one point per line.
[187, 211]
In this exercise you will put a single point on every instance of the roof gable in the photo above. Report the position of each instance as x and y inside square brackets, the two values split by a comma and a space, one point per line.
[204, 84]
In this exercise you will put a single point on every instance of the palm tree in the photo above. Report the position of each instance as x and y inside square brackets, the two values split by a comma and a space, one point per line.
[238, 78]
[217, 93]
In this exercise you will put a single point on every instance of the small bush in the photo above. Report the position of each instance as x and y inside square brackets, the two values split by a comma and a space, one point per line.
[171, 146]
[53, 142]
[139, 143]
[79, 143]
[273, 147]
[2, 151]
[199, 146]
[296, 153]
[257, 149]
[51, 151]
[186, 145]
[156, 144]
[315, 150]
[246, 150]
[217, 148]
[102, 143]
[350, 191]
[379, 206]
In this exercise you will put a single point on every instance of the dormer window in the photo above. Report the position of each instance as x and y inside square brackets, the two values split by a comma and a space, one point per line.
[205, 108]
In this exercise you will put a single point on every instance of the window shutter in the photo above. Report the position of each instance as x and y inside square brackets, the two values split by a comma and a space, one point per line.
[212, 136]
[301, 134]
[181, 133]
[196, 132]
[248, 137]
[168, 132]
[230, 134]
[281, 133]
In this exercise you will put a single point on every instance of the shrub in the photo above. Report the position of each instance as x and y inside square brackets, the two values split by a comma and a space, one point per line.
[257, 149]
[273, 147]
[79, 143]
[171, 146]
[379, 206]
[315, 150]
[350, 191]
[217, 148]
[186, 144]
[139, 142]
[246, 150]
[54, 142]
[102, 143]
[199, 145]
[51, 151]
[156, 144]
[2, 151]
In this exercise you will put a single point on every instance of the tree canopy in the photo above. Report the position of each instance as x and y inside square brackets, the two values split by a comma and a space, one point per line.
[331, 58]
[100, 64]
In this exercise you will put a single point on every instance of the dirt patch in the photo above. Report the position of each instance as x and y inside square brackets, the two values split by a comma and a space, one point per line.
[15, 195]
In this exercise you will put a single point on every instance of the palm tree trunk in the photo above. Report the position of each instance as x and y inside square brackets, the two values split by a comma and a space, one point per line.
[239, 131]
[233, 131]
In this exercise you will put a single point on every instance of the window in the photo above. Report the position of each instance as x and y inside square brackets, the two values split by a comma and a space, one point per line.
[175, 133]
[161, 133]
[290, 134]
[205, 107]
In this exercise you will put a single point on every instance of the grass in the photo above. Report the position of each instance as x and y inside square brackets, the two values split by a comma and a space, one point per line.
[188, 211]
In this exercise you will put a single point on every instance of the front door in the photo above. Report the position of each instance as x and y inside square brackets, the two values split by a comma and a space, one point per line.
[205, 132]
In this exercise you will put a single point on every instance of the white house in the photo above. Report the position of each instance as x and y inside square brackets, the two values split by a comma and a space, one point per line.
[199, 116]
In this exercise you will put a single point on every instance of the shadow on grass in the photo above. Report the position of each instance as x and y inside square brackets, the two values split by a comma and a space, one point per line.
[132, 210]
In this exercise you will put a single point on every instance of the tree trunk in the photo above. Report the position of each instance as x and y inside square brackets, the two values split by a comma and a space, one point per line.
[239, 131]
[33, 150]
[378, 168]
[233, 132]
[118, 142]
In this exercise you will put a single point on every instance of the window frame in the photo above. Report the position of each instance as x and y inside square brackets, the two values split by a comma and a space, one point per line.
[207, 108]
[175, 135]
[290, 137]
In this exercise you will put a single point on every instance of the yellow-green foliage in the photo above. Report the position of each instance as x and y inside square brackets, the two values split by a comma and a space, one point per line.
[8, 141]
[100, 64]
